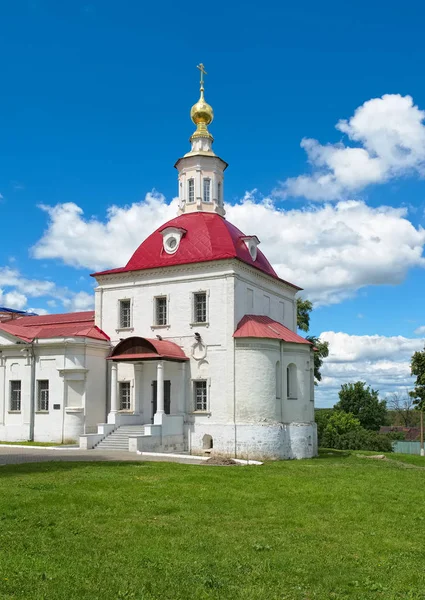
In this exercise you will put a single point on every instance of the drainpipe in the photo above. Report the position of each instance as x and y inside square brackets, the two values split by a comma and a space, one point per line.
[281, 382]
[234, 395]
[32, 392]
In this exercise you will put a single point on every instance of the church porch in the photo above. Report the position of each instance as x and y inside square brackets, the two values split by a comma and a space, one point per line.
[146, 398]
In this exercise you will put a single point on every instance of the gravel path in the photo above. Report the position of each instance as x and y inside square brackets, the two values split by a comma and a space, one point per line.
[12, 455]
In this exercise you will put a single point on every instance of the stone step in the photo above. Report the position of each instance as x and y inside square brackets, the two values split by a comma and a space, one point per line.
[118, 439]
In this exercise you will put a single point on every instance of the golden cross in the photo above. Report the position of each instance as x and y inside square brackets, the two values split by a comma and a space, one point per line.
[203, 72]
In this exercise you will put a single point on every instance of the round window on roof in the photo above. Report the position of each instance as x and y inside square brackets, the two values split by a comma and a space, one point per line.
[253, 251]
[171, 244]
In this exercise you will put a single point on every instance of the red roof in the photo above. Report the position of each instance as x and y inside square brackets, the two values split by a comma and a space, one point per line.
[137, 348]
[207, 237]
[259, 326]
[55, 326]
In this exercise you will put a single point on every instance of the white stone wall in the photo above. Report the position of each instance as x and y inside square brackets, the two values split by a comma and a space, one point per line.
[246, 413]
[71, 367]
[256, 294]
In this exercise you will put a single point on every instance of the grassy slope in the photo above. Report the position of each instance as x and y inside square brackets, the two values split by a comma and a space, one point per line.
[336, 527]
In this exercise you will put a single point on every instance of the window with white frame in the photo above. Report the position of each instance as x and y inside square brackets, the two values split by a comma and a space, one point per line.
[191, 190]
[15, 396]
[207, 190]
[219, 192]
[42, 395]
[125, 395]
[200, 307]
[161, 310]
[125, 314]
[200, 393]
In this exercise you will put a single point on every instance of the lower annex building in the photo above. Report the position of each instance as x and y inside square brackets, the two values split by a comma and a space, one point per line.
[192, 346]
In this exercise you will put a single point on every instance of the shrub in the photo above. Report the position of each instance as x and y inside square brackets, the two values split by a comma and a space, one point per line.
[322, 416]
[358, 439]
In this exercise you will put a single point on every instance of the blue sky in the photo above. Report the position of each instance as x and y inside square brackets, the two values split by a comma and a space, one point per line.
[95, 107]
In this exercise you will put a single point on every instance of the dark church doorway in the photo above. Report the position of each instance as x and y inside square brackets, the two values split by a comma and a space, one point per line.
[167, 397]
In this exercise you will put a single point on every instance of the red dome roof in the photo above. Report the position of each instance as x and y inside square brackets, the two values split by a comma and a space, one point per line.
[207, 237]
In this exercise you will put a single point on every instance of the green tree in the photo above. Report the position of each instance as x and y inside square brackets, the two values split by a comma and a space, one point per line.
[321, 352]
[341, 422]
[417, 367]
[304, 308]
[363, 402]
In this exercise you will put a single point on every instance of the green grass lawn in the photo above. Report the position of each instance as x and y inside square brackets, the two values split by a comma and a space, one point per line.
[43, 444]
[338, 527]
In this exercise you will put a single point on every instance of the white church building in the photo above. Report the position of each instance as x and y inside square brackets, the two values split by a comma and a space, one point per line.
[192, 345]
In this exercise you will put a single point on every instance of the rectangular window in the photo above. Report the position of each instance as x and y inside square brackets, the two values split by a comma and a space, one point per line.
[191, 190]
[200, 394]
[125, 314]
[161, 310]
[207, 190]
[15, 396]
[249, 300]
[200, 307]
[219, 192]
[266, 305]
[125, 395]
[282, 312]
[43, 395]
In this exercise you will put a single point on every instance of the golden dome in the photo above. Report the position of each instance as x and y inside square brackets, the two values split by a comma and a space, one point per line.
[201, 113]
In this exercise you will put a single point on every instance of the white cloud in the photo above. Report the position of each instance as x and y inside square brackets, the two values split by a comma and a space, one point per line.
[16, 289]
[13, 299]
[331, 251]
[38, 311]
[383, 362]
[79, 302]
[420, 330]
[391, 135]
[96, 244]
[334, 250]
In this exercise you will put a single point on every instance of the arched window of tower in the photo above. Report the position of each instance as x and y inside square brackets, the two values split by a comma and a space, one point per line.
[278, 380]
[291, 382]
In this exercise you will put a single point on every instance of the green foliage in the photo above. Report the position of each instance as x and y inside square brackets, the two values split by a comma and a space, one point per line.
[363, 402]
[417, 367]
[403, 410]
[341, 422]
[304, 308]
[358, 439]
[321, 352]
[396, 419]
[322, 416]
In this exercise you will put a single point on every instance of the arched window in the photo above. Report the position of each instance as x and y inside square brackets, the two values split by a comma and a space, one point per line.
[291, 382]
[207, 190]
[278, 380]
[191, 190]
[207, 442]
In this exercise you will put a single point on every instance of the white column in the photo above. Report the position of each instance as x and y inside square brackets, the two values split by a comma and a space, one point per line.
[160, 388]
[182, 397]
[138, 371]
[114, 387]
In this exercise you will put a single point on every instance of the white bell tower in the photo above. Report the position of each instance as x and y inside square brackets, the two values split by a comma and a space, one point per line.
[201, 171]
